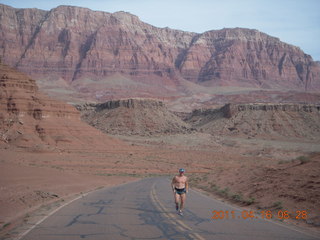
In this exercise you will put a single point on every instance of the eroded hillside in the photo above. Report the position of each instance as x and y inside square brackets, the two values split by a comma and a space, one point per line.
[133, 117]
[272, 121]
[29, 119]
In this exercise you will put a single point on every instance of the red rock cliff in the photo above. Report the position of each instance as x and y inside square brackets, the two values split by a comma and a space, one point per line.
[75, 43]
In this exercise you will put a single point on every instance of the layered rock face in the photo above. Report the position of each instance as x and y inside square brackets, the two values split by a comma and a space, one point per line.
[76, 43]
[251, 58]
[133, 117]
[29, 119]
[90, 49]
[278, 121]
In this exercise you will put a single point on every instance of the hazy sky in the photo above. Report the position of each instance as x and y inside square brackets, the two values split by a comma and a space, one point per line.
[293, 21]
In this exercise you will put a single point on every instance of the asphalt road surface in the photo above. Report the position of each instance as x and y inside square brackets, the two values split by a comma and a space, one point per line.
[145, 210]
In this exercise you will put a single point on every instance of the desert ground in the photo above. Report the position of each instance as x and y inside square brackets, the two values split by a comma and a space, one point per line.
[257, 174]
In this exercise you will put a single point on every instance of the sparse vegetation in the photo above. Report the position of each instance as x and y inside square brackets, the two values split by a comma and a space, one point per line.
[26, 217]
[205, 177]
[282, 162]
[237, 197]
[6, 225]
[277, 205]
[57, 167]
[223, 192]
[250, 201]
[304, 159]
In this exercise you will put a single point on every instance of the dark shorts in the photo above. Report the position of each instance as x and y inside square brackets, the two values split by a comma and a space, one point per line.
[180, 191]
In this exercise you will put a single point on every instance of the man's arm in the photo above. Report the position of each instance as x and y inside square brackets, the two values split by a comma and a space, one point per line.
[187, 185]
[173, 184]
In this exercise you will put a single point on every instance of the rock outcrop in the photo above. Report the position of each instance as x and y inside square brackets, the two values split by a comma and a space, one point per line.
[142, 117]
[126, 103]
[260, 120]
[107, 56]
[29, 119]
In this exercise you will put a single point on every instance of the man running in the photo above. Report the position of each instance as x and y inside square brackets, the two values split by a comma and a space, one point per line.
[180, 187]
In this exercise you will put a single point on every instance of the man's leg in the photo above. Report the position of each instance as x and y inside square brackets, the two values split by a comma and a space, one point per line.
[176, 200]
[183, 199]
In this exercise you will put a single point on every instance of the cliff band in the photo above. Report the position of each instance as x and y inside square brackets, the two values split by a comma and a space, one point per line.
[104, 55]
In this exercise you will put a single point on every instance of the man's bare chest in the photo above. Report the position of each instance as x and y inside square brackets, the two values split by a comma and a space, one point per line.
[181, 180]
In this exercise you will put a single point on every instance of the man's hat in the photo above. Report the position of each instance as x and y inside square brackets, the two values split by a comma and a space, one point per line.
[181, 170]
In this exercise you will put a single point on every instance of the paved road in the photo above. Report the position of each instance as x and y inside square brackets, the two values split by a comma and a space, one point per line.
[145, 210]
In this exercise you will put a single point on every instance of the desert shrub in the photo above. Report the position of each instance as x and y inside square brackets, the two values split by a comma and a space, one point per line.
[277, 205]
[237, 197]
[205, 177]
[216, 188]
[224, 192]
[282, 162]
[250, 201]
[6, 225]
[303, 159]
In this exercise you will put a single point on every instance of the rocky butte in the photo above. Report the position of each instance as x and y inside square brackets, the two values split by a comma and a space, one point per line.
[102, 56]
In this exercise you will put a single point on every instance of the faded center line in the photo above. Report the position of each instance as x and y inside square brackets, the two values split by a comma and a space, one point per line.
[171, 217]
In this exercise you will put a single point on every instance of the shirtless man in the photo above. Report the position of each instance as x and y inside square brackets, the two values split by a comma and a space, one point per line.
[180, 187]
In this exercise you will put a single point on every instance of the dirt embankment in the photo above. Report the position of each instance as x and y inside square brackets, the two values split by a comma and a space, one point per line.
[284, 185]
